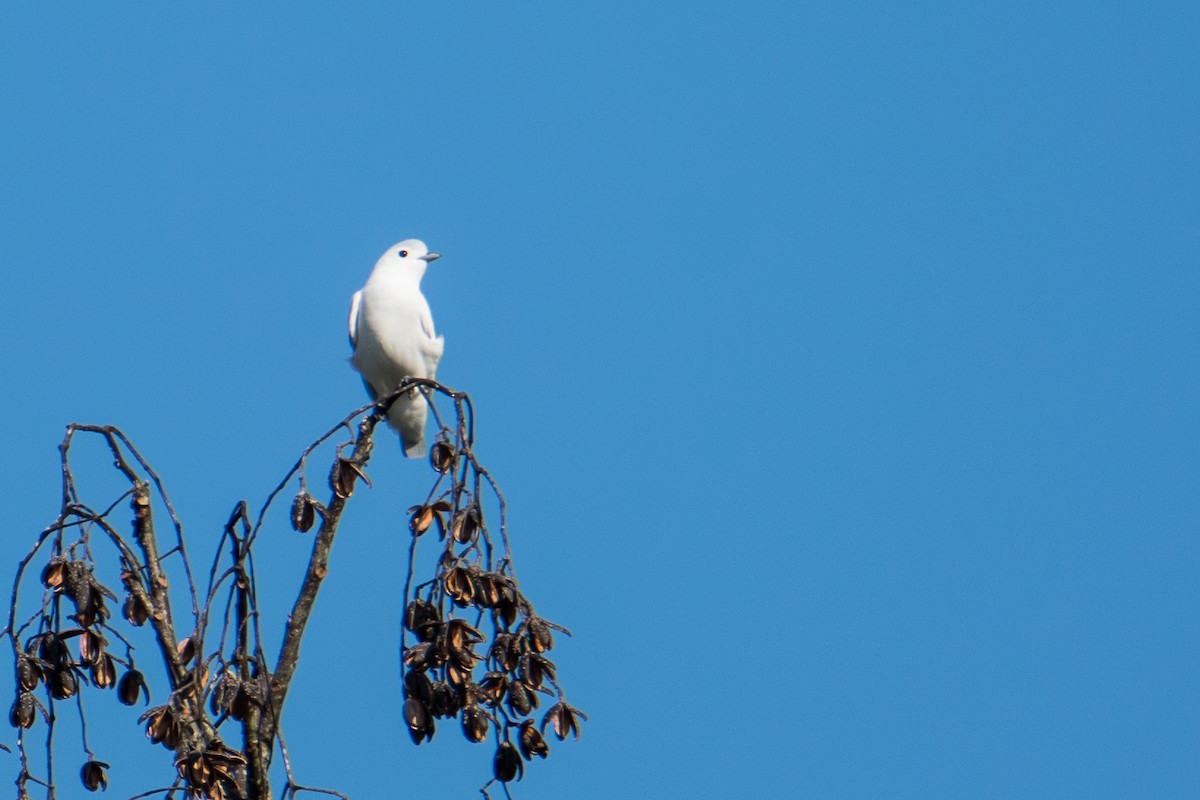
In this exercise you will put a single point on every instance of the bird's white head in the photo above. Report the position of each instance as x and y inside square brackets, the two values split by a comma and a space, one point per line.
[412, 250]
[411, 255]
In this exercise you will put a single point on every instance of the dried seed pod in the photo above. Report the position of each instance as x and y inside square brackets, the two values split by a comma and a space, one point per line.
[419, 615]
[22, 713]
[186, 649]
[459, 633]
[563, 719]
[474, 723]
[465, 524]
[501, 653]
[494, 687]
[457, 675]
[77, 583]
[132, 684]
[54, 572]
[194, 768]
[531, 742]
[487, 593]
[441, 457]
[342, 476]
[419, 720]
[53, 650]
[94, 611]
[506, 765]
[444, 702]
[104, 672]
[418, 685]
[62, 684]
[420, 518]
[91, 646]
[29, 674]
[418, 656]
[459, 586]
[535, 668]
[224, 763]
[465, 657]
[93, 777]
[507, 606]
[538, 632]
[304, 512]
[520, 700]
[162, 726]
[249, 693]
[133, 611]
[224, 690]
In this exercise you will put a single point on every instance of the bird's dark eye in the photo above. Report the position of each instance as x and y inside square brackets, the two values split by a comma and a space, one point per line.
[404, 254]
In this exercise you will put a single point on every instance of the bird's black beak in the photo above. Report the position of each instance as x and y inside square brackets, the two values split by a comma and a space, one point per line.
[431, 257]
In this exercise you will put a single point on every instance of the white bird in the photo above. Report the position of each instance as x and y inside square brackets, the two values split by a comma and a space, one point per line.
[391, 333]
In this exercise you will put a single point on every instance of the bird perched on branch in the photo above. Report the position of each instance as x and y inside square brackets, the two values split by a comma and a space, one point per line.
[391, 332]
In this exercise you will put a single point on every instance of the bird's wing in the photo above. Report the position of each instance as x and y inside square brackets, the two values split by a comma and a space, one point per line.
[355, 304]
[431, 346]
[427, 323]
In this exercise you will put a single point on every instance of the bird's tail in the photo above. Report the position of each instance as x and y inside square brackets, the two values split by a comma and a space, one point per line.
[407, 418]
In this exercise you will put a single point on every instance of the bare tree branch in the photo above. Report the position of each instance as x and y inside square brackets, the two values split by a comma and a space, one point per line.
[214, 677]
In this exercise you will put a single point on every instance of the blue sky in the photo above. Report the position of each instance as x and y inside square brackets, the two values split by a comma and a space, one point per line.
[838, 362]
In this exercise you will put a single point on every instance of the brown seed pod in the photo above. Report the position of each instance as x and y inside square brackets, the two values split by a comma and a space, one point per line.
[91, 646]
[531, 742]
[563, 719]
[54, 572]
[474, 723]
[501, 653]
[419, 615]
[93, 777]
[133, 611]
[53, 650]
[224, 763]
[465, 657]
[534, 668]
[77, 583]
[132, 684]
[304, 512]
[520, 700]
[441, 457]
[104, 672]
[421, 518]
[507, 605]
[465, 524]
[459, 633]
[224, 690]
[29, 674]
[419, 720]
[342, 476]
[418, 685]
[494, 687]
[418, 656]
[445, 702]
[162, 726]
[22, 713]
[459, 586]
[457, 675]
[186, 649]
[62, 684]
[506, 765]
[487, 593]
[194, 768]
[538, 632]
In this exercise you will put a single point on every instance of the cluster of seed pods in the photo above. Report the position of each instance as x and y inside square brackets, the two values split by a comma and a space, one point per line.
[493, 683]
[48, 659]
